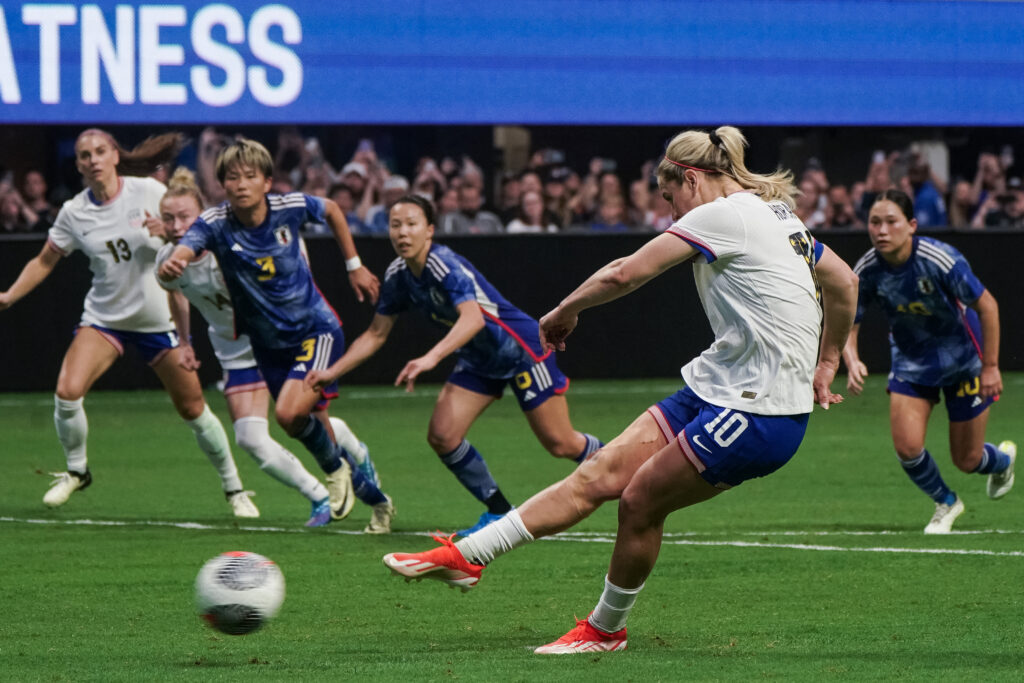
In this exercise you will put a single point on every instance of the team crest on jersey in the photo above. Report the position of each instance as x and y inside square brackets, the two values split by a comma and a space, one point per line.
[283, 235]
[437, 297]
[135, 219]
[925, 286]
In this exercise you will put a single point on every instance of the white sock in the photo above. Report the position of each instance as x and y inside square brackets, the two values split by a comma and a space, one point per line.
[72, 430]
[252, 434]
[495, 539]
[214, 441]
[613, 609]
[347, 439]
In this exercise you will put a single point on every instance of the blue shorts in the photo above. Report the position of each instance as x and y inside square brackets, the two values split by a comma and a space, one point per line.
[152, 345]
[318, 352]
[240, 380]
[963, 402]
[533, 383]
[728, 446]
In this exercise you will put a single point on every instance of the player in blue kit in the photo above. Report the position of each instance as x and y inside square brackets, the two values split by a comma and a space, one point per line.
[944, 336]
[293, 330]
[496, 344]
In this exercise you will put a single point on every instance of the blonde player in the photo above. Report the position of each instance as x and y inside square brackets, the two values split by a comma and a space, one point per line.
[745, 406]
[125, 305]
[202, 285]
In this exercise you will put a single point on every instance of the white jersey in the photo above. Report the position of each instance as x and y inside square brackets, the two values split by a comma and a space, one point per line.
[202, 283]
[755, 277]
[124, 294]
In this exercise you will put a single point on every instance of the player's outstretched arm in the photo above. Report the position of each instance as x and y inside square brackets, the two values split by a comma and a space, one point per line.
[470, 322]
[988, 317]
[181, 315]
[364, 283]
[33, 273]
[362, 348]
[839, 300]
[618, 278]
[174, 266]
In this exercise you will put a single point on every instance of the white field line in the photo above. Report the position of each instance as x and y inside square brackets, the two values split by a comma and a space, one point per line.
[572, 537]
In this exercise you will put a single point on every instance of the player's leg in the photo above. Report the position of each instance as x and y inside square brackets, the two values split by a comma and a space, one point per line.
[968, 419]
[89, 356]
[909, 411]
[187, 395]
[457, 407]
[360, 452]
[540, 389]
[248, 409]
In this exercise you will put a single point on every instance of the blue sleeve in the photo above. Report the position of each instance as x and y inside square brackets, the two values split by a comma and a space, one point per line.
[863, 297]
[197, 237]
[819, 249]
[459, 285]
[393, 299]
[316, 208]
[962, 281]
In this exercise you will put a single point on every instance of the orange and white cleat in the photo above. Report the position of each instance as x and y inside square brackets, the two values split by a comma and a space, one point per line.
[585, 638]
[444, 563]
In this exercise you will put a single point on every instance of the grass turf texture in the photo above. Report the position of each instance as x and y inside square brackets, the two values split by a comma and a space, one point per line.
[808, 574]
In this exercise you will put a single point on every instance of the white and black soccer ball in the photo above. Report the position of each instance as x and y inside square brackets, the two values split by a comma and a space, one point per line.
[238, 592]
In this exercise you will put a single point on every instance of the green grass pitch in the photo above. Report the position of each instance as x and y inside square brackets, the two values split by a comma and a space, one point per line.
[819, 572]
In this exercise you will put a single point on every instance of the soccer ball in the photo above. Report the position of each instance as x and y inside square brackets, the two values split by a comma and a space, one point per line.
[238, 592]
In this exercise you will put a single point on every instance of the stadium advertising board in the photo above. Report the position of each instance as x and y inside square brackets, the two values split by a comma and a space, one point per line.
[552, 61]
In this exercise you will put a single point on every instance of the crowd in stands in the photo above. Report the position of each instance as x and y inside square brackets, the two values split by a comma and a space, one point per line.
[550, 196]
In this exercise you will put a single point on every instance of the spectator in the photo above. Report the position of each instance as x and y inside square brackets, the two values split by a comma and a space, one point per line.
[282, 184]
[210, 145]
[15, 214]
[1006, 209]
[638, 214]
[929, 206]
[342, 195]
[808, 207]
[449, 201]
[34, 191]
[394, 188]
[429, 182]
[839, 212]
[509, 199]
[556, 195]
[470, 218]
[961, 206]
[661, 212]
[531, 216]
[989, 180]
[857, 190]
[611, 215]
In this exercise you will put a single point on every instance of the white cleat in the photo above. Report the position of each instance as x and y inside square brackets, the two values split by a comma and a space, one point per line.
[241, 504]
[1000, 483]
[380, 521]
[64, 484]
[339, 488]
[945, 515]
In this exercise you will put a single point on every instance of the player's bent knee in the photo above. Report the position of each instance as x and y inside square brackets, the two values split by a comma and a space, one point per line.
[442, 443]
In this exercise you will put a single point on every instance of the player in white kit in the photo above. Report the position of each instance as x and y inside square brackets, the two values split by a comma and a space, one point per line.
[125, 305]
[772, 294]
[248, 398]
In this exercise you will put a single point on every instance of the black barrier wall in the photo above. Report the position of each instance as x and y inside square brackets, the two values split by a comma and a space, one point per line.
[650, 333]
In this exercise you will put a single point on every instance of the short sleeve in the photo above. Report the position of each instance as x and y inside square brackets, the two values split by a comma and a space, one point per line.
[714, 229]
[198, 236]
[459, 285]
[962, 281]
[60, 236]
[864, 289]
[317, 208]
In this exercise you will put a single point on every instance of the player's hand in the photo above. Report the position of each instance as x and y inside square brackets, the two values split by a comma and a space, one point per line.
[412, 370]
[172, 269]
[857, 373]
[156, 226]
[991, 382]
[187, 357]
[317, 380]
[555, 327]
[365, 284]
[824, 373]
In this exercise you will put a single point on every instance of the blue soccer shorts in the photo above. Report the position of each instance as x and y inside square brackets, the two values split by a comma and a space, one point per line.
[963, 400]
[317, 352]
[534, 381]
[728, 446]
[240, 380]
[153, 346]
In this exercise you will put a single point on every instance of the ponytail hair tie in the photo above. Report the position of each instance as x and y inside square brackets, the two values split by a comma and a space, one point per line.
[715, 140]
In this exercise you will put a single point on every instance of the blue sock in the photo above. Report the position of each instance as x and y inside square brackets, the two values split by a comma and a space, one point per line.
[470, 469]
[316, 440]
[593, 444]
[992, 460]
[923, 471]
[364, 488]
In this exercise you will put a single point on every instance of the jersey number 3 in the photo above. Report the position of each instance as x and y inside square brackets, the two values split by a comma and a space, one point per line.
[267, 269]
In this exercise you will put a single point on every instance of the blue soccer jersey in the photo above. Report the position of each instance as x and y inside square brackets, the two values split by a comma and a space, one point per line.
[934, 337]
[509, 337]
[272, 290]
